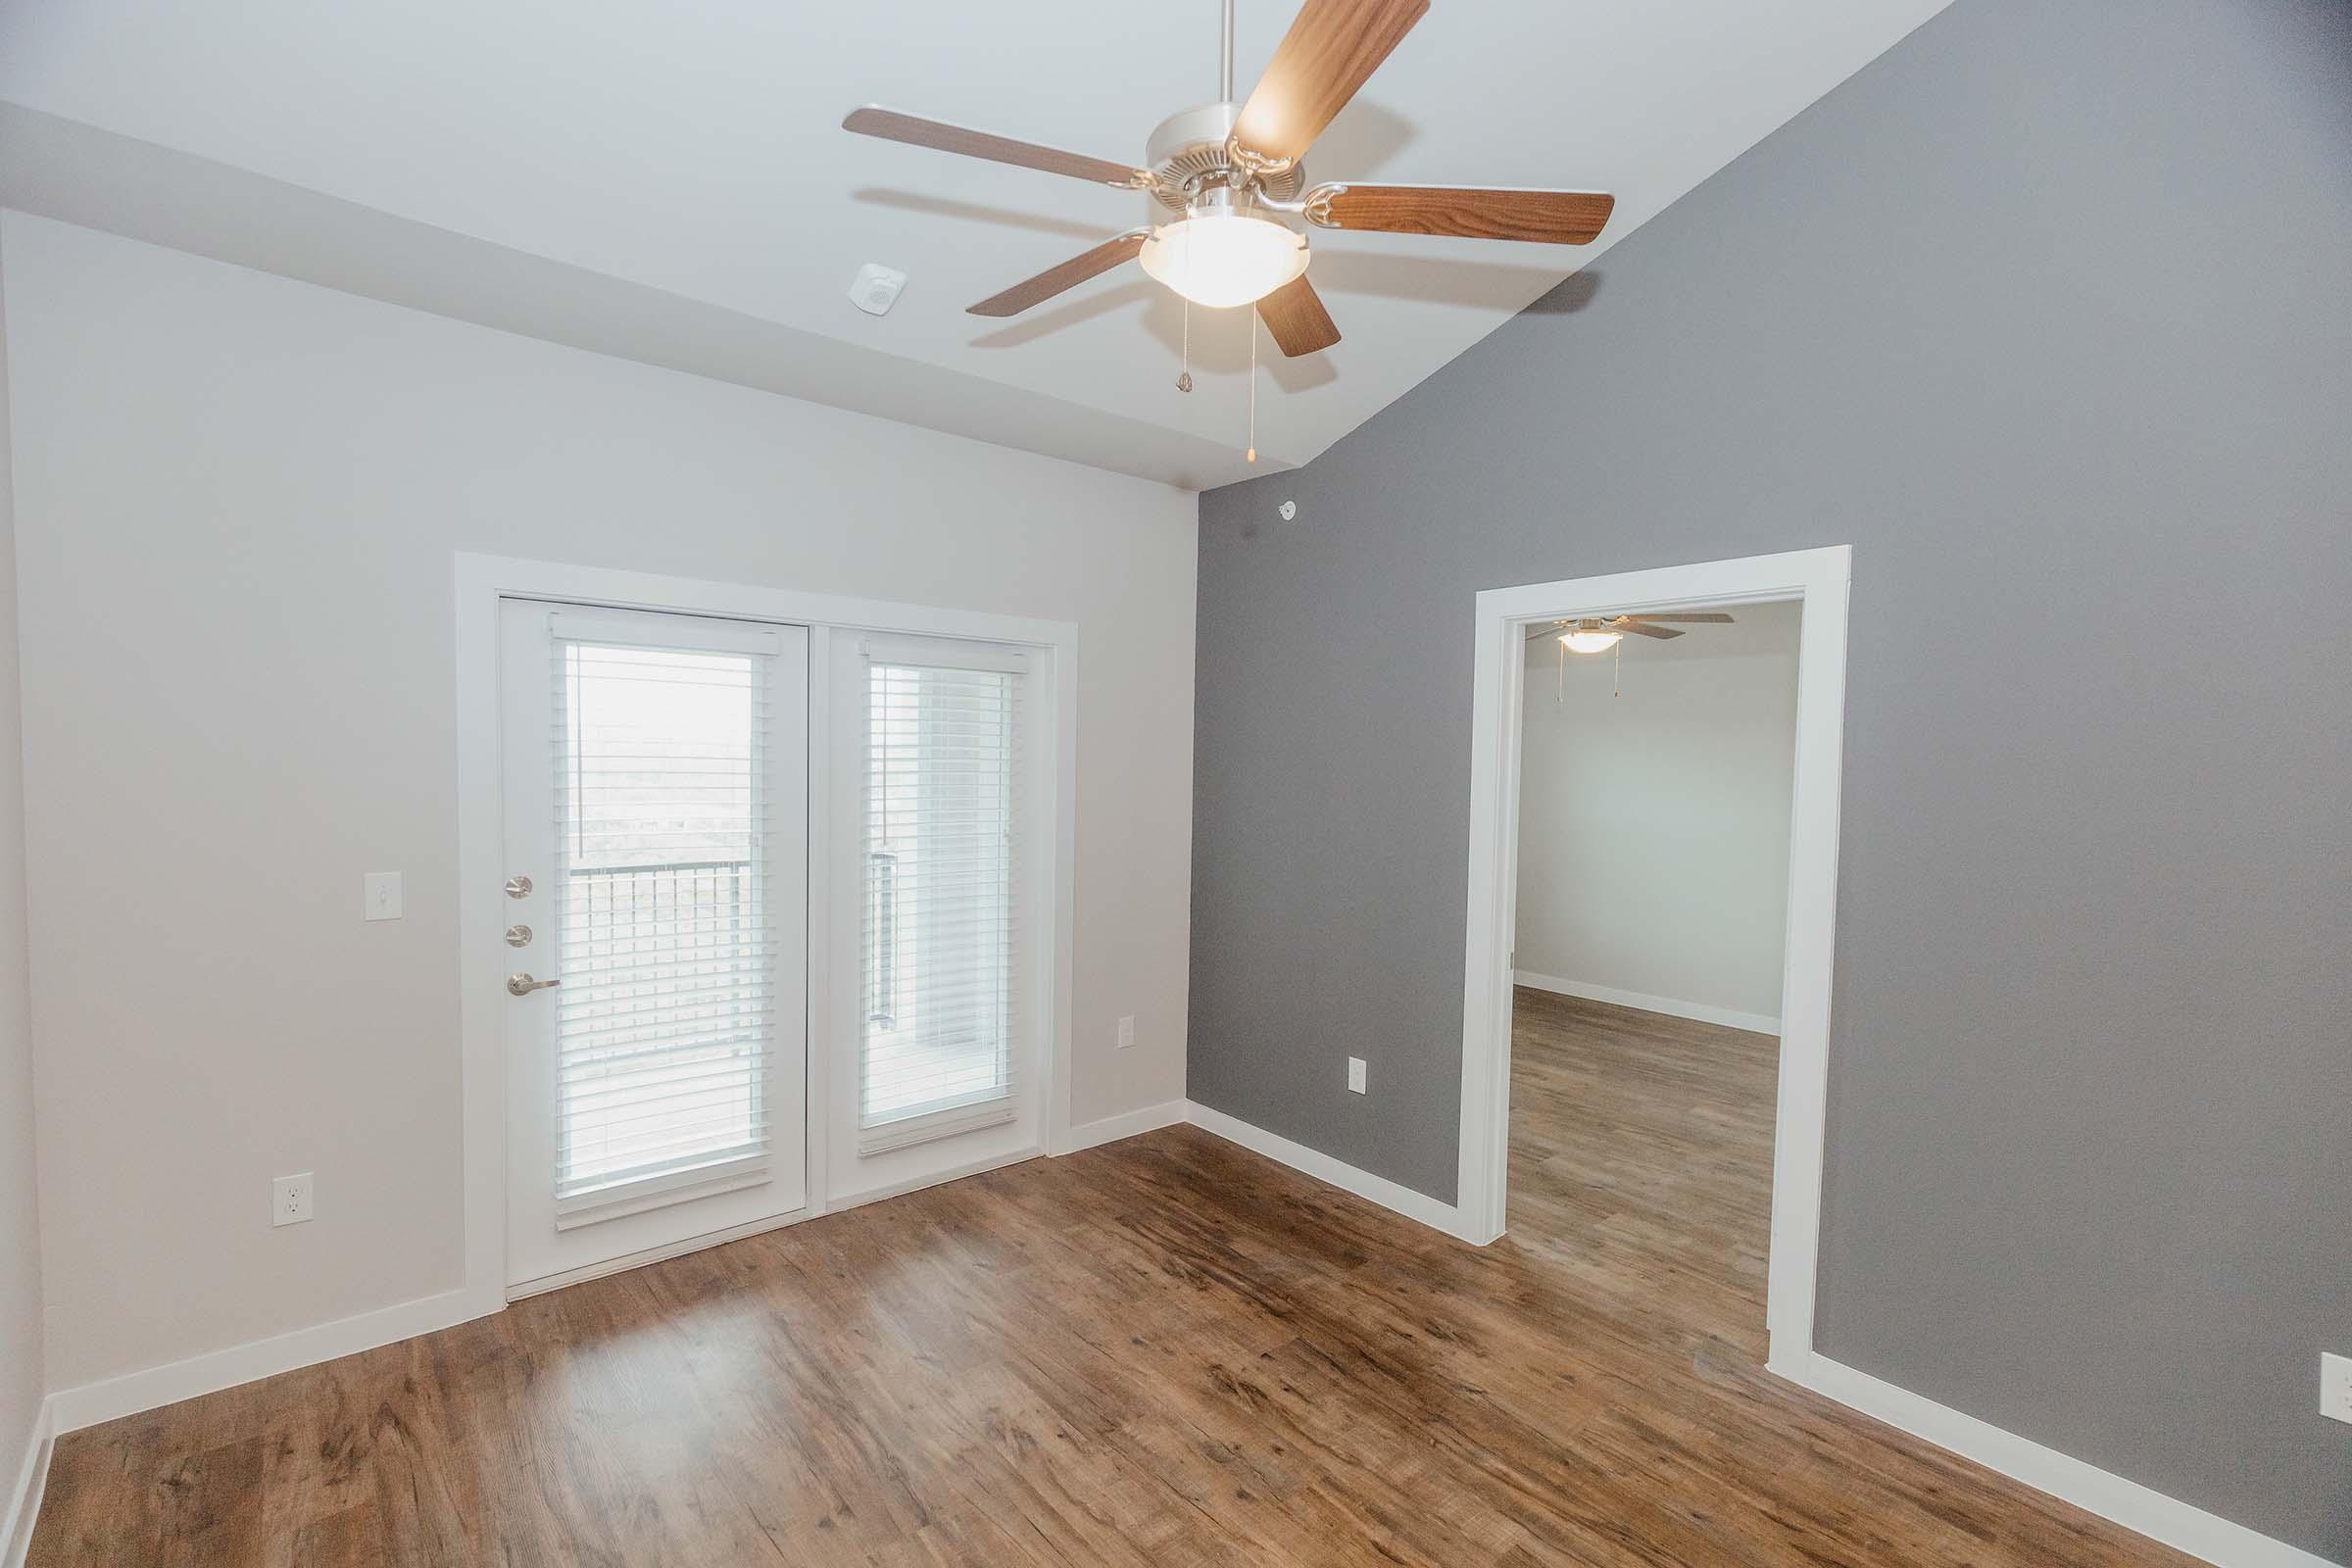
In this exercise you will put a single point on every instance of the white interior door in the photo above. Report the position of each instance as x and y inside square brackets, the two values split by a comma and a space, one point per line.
[656, 806]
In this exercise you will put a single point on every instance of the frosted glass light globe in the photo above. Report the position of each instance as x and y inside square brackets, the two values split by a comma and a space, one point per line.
[1224, 259]
[1591, 642]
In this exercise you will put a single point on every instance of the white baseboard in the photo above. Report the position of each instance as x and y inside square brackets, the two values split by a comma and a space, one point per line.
[33, 1478]
[105, 1400]
[2136, 1507]
[1314, 1162]
[1127, 1124]
[1762, 1024]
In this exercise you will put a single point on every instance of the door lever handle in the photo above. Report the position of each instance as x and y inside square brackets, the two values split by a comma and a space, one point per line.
[522, 985]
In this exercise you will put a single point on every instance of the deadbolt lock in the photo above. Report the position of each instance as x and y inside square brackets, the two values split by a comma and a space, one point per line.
[519, 936]
[519, 886]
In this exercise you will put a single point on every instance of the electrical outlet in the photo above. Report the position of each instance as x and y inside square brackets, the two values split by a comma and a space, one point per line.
[1355, 1074]
[2336, 1386]
[379, 896]
[290, 1199]
[1127, 1031]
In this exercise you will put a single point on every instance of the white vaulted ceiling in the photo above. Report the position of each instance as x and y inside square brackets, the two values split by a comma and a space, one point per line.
[669, 181]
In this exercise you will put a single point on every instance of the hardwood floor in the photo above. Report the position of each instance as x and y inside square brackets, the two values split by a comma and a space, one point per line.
[1166, 1351]
[1641, 1158]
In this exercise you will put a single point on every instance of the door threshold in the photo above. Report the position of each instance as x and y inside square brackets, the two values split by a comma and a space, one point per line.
[658, 1254]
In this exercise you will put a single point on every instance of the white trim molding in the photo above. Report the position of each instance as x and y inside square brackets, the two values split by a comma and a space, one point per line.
[1128, 1124]
[2136, 1507]
[112, 1398]
[32, 1479]
[1705, 1013]
[1322, 1167]
[1818, 578]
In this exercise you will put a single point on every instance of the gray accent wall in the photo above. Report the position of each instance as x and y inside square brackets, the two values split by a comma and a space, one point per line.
[2048, 313]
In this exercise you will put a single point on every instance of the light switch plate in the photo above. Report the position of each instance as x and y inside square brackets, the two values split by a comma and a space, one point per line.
[1355, 1074]
[2336, 1386]
[1126, 1031]
[290, 1199]
[379, 896]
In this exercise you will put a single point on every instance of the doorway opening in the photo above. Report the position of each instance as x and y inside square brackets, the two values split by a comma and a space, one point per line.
[1592, 1050]
[1647, 947]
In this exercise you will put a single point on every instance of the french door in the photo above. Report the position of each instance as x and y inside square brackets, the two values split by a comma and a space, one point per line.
[656, 776]
[939, 826]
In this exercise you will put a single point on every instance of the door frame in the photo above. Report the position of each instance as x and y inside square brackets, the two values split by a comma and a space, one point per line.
[1820, 578]
[482, 582]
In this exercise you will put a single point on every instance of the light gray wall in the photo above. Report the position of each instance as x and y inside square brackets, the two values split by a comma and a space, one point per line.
[20, 1349]
[1655, 785]
[2046, 314]
[239, 501]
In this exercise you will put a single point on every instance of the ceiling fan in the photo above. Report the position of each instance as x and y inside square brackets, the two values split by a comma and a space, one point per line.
[1229, 184]
[1597, 634]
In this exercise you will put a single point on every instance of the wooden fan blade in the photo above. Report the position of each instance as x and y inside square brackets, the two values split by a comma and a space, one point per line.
[1711, 617]
[1547, 629]
[1069, 275]
[1332, 49]
[1464, 211]
[1295, 315]
[914, 130]
[1647, 631]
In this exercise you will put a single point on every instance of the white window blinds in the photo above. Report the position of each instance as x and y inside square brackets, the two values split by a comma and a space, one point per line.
[937, 1008]
[665, 1030]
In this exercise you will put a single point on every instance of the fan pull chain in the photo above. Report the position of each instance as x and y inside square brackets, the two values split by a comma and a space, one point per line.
[1184, 370]
[1253, 387]
[1560, 694]
[1616, 665]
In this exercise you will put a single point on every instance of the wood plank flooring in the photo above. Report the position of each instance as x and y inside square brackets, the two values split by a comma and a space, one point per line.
[1166, 1351]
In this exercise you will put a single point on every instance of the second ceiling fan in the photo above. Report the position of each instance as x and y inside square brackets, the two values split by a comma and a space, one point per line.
[1597, 634]
[1606, 634]
[1229, 181]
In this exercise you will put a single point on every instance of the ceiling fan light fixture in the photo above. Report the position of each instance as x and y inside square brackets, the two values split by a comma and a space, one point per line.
[1221, 260]
[1592, 642]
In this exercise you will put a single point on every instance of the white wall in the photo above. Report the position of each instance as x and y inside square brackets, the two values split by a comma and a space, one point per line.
[1654, 825]
[21, 1353]
[239, 499]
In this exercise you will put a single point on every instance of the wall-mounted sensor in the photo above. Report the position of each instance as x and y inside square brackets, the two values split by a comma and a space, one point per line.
[877, 287]
[1288, 510]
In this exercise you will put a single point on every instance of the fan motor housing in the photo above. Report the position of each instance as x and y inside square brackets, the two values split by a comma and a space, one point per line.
[1187, 154]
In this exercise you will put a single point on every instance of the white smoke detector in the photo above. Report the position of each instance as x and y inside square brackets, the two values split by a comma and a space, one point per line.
[876, 288]
[1288, 510]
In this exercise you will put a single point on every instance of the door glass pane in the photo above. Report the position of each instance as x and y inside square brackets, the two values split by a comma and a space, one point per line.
[939, 899]
[665, 1021]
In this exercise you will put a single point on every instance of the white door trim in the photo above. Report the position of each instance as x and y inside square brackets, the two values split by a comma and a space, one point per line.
[481, 583]
[1818, 577]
